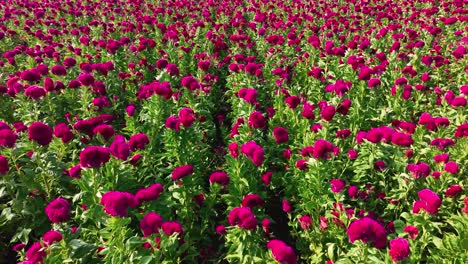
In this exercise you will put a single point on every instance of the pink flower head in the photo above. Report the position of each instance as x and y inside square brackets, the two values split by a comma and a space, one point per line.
[4, 168]
[51, 236]
[40, 132]
[138, 141]
[305, 221]
[253, 152]
[116, 203]
[94, 156]
[251, 200]
[242, 217]
[149, 194]
[257, 120]
[282, 252]
[368, 230]
[219, 177]
[172, 227]
[429, 201]
[412, 231]
[181, 171]
[399, 249]
[337, 185]
[151, 223]
[281, 135]
[58, 210]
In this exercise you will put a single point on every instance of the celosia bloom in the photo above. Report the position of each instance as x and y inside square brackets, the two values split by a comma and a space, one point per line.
[40, 132]
[412, 231]
[94, 156]
[257, 120]
[149, 194]
[251, 200]
[429, 201]
[305, 221]
[242, 217]
[281, 135]
[337, 185]
[7, 138]
[151, 223]
[34, 254]
[254, 152]
[51, 236]
[4, 168]
[119, 148]
[116, 203]
[399, 249]
[367, 230]
[219, 177]
[451, 167]
[172, 227]
[281, 252]
[63, 132]
[181, 171]
[138, 141]
[58, 210]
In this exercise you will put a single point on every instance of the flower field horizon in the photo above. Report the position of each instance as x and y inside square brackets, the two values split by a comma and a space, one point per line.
[244, 131]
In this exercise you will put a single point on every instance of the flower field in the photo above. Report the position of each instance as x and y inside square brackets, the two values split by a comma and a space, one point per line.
[233, 131]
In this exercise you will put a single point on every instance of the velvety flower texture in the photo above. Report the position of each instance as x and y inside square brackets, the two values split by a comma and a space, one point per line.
[51, 236]
[337, 185]
[138, 141]
[181, 171]
[119, 148]
[34, 254]
[58, 210]
[40, 132]
[149, 194]
[367, 230]
[251, 200]
[7, 138]
[254, 152]
[305, 221]
[172, 227]
[4, 168]
[399, 249]
[94, 156]
[281, 135]
[242, 217]
[116, 203]
[281, 252]
[219, 177]
[63, 132]
[429, 201]
[151, 223]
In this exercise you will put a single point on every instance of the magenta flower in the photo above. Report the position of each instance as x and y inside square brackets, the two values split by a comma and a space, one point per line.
[337, 185]
[94, 156]
[151, 223]
[251, 200]
[281, 135]
[149, 194]
[242, 217]
[399, 249]
[51, 236]
[116, 203]
[58, 210]
[40, 132]
[281, 252]
[181, 171]
[219, 177]
[367, 230]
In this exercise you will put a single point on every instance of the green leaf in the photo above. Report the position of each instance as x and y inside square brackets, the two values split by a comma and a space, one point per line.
[80, 249]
